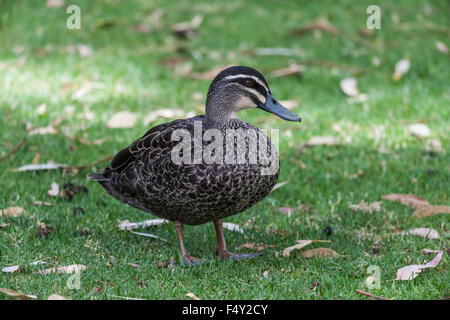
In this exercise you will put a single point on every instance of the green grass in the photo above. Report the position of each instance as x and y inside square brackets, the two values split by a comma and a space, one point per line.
[126, 63]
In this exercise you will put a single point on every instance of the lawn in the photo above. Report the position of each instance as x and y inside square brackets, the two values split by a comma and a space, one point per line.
[122, 60]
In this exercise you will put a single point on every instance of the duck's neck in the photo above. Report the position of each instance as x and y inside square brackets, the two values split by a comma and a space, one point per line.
[217, 115]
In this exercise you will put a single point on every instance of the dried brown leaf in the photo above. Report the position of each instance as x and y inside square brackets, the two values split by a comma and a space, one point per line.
[17, 294]
[192, 296]
[426, 211]
[257, 246]
[401, 68]
[54, 3]
[441, 47]
[43, 230]
[423, 232]
[411, 271]
[365, 207]
[279, 185]
[149, 235]
[290, 70]
[54, 190]
[232, 227]
[41, 203]
[299, 245]
[123, 119]
[12, 212]
[56, 296]
[407, 200]
[12, 269]
[349, 86]
[134, 225]
[319, 253]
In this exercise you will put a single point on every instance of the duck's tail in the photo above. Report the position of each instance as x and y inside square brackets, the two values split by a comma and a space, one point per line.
[99, 176]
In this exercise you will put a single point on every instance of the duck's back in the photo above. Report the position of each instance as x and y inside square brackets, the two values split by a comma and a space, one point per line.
[174, 173]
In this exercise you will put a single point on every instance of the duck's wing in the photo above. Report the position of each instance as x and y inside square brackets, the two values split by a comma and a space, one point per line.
[159, 137]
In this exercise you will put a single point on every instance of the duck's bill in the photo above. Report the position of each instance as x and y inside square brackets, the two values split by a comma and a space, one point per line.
[273, 106]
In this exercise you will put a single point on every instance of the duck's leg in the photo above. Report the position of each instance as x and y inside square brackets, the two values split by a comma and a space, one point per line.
[221, 248]
[187, 258]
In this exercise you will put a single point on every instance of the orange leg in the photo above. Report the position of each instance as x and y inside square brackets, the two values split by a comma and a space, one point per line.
[221, 248]
[188, 259]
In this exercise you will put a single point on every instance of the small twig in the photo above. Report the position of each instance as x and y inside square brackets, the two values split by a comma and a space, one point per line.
[21, 143]
[371, 295]
[89, 165]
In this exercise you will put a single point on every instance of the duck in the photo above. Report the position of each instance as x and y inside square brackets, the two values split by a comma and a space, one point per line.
[204, 168]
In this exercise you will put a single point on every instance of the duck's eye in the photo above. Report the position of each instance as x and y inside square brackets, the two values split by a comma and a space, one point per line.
[249, 83]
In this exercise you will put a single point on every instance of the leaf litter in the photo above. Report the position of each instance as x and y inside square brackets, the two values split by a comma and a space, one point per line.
[412, 271]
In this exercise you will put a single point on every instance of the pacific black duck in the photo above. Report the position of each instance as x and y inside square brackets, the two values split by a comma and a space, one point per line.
[205, 168]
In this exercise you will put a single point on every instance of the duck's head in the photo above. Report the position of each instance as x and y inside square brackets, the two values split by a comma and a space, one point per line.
[240, 87]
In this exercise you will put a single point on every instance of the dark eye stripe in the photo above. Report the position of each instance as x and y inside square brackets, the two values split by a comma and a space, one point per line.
[261, 90]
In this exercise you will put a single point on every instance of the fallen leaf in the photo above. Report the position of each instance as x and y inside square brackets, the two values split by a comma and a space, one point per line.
[192, 296]
[41, 166]
[134, 225]
[427, 251]
[41, 109]
[148, 235]
[17, 294]
[43, 230]
[422, 232]
[232, 227]
[3, 225]
[12, 269]
[426, 211]
[407, 199]
[54, 191]
[290, 70]
[349, 86]
[56, 296]
[12, 212]
[319, 253]
[411, 271]
[321, 25]
[54, 3]
[187, 30]
[41, 203]
[299, 245]
[165, 113]
[84, 50]
[257, 246]
[123, 119]
[363, 206]
[50, 129]
[134, 265]
[433, 145]
[419, 130]
[64, 269]
[326, 140]
[126, 298]
[286, 210]
[441, 47]
[86, 88]
[279, 185]
[401, 68]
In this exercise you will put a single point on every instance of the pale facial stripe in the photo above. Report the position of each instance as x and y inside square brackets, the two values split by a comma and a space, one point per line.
[258, 95]
[242, 76]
